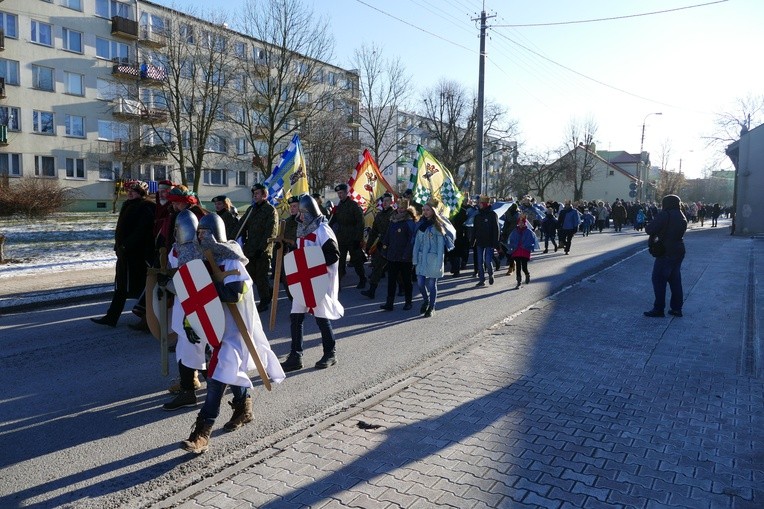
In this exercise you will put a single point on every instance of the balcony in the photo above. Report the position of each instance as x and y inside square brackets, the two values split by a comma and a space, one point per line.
[123, 27]
[137, 151]
[2, 88]
[124, 68]
[126, 108]
[3, 135]
[152, 37]
[154, 115]
[152, 73]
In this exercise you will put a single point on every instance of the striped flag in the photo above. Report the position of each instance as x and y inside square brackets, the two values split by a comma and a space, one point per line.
[433, 180]
[290, 176]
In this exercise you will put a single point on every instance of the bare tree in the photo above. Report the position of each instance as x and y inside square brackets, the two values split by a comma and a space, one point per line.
[286, 84]
[383, 89]
[664, 155]
[536, 173]
[669, 182]
[746, 113]
[197, 62]
[329, 148]
[450, 114]
[579, 162]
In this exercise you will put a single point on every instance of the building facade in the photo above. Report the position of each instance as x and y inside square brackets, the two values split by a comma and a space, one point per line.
[82, 101]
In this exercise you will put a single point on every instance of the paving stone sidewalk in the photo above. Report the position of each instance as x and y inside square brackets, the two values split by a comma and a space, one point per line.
[579, 401]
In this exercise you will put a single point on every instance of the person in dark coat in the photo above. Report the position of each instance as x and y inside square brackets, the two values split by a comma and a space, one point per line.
[486, 239]
[374, 243]
[668, 226]
[397, 246]
[228, 214]
[134, 246]
[348, 224]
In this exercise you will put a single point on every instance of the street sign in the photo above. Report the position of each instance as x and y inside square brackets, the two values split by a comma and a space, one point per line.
[632, 194]
[633, 186]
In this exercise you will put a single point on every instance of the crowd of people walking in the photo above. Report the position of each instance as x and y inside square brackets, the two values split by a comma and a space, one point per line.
[407, 243]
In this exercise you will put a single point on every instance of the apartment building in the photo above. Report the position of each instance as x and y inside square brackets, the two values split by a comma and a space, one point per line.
[82, 98]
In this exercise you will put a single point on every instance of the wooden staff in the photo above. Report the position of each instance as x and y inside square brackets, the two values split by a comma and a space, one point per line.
[219, 275]
[278, 241]
[163, 314]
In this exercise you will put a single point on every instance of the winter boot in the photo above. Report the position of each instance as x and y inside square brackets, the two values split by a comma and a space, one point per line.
[371, 292]
[424, 307]
[292, 363]
[361, 284]
[199, 440]
[327, 360]
[182, 400]
[429, 311]
[242, 414]
[176, 388]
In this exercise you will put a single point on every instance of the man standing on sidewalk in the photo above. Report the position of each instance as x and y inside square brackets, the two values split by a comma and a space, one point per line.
[669, 227]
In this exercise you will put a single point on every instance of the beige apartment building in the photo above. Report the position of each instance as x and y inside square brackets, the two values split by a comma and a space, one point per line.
[81, 98]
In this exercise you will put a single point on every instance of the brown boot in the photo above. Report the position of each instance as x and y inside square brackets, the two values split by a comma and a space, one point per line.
[242, 414]
[199, 440]
[175, 388]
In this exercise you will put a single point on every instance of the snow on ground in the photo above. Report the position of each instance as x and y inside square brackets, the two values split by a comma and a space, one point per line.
[63, 241]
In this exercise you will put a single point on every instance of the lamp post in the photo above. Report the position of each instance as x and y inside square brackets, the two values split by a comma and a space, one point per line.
[642, 172]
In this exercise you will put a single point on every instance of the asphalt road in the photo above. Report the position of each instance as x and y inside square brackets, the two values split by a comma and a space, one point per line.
[81, 410]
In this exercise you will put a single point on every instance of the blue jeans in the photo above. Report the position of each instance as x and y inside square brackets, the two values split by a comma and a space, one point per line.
[484, 259]
[428, 287]
[215, 391]
[667, 271]
[324, 325]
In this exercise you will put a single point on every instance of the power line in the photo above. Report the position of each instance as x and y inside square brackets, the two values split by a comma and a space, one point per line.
[415, 27]
[612, 18]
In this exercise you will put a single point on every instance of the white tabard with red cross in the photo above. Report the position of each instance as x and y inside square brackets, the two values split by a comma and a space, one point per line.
[199, 301]
[307, 276]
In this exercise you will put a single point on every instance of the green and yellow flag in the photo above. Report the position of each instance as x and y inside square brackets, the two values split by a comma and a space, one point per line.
[433, 180]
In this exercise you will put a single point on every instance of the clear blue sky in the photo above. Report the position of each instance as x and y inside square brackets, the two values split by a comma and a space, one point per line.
[687, 64]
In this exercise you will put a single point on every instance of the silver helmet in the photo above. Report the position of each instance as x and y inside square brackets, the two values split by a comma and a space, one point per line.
[215, 224]
[309, 209]
[185, 227]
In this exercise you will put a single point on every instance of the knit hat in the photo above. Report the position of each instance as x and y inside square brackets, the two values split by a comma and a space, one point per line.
[138, 186]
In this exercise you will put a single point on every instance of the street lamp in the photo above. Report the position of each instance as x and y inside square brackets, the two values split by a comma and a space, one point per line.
[642, 172]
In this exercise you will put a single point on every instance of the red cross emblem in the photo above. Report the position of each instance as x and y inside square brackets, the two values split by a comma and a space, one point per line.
[200, 302]
[307, 275]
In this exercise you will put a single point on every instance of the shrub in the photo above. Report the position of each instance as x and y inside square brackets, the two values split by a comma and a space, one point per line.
[33, 197]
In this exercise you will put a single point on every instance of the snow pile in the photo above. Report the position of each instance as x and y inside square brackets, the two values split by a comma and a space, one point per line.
[63, 241]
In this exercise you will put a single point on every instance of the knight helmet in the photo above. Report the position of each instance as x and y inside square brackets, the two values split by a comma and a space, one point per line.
[185, 227]
[309, 209]
[214, 223]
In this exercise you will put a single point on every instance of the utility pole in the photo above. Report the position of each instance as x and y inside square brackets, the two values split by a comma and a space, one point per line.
[479, 166]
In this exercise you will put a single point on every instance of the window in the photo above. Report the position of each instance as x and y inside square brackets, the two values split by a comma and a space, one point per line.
[42, 78]
[216, 177]
[72, 4]
[11, 117]
[240, 49]
[156, 172]
[216, 143]
[109, 170]
[153, 99]
[42, 33]
[112, 131]
[44, 166]
[10, 23]
[187, 69]
[109, 8]
[161, 136]
[241, 178]
[152, 23]
[107, 90]
[75, 126]
[72, 40]
[42, 122]
[187, 33]
[75, 168]
[73, 83]
[112, 50]
[9, 69]
[10, 164]
[241, 146]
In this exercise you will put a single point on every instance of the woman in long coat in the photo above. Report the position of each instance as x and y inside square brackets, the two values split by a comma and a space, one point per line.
[429, 247]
